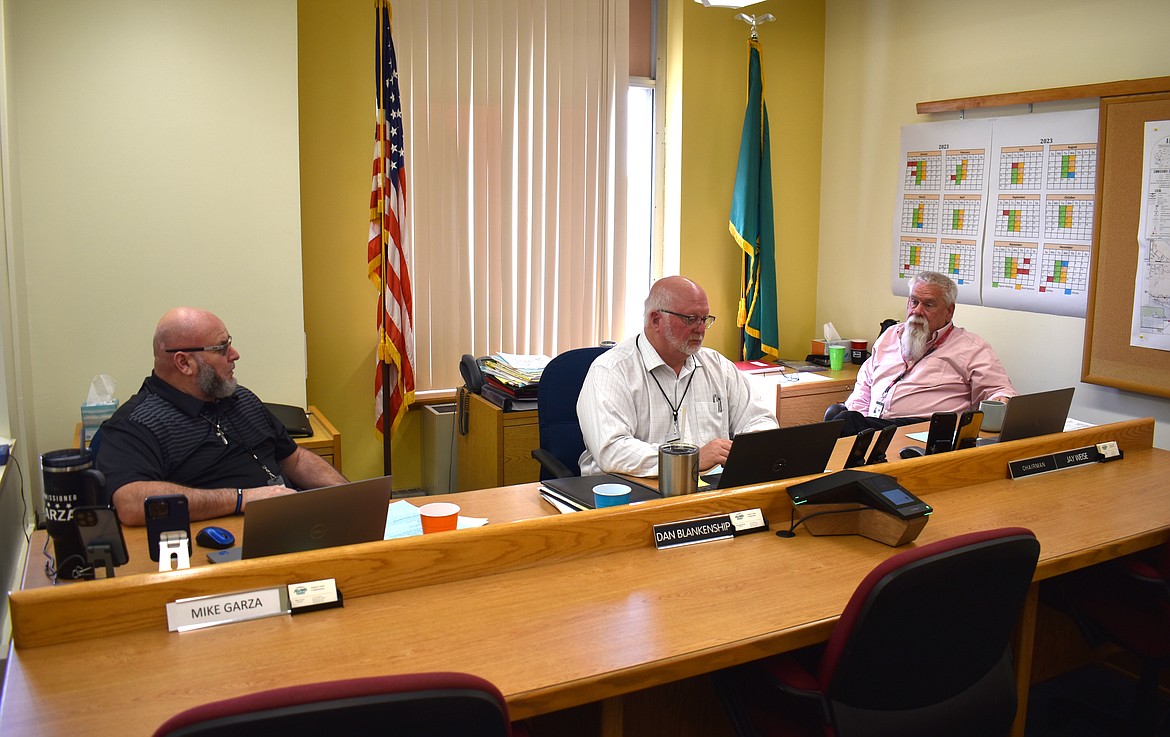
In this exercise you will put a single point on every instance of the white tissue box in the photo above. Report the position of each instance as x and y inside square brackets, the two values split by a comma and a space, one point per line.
[93, 415]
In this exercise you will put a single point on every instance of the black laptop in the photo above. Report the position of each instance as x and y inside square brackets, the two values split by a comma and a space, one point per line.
[345, 514]
[294, 419]
[780, 453]
[1029, 415]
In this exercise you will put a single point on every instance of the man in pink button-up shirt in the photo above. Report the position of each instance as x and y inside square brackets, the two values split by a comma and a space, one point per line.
[925, 364]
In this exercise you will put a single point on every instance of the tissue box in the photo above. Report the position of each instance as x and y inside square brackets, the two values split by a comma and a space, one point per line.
[818, 348]
[93, 415]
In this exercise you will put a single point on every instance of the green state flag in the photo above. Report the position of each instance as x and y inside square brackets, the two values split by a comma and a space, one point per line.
[751, 223]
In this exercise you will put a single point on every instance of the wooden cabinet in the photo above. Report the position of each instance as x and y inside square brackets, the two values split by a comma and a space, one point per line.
[325, 441]
[497, 449]
[802, 403]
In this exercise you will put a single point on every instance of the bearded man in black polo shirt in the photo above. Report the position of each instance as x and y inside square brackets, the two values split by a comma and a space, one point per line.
[193, 430]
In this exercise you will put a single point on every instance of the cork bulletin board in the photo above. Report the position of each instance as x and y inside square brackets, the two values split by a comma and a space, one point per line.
[1109, 359]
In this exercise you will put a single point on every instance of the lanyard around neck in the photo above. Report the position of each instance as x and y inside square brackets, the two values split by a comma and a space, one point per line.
[910, 366]
[674, 409]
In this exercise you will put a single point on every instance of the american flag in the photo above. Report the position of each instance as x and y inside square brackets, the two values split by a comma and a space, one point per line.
[388, 267]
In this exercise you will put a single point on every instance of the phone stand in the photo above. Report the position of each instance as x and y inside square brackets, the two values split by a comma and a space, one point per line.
[101, 555]
[172, 546]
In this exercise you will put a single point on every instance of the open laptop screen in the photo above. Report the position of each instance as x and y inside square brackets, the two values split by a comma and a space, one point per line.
[319, 518]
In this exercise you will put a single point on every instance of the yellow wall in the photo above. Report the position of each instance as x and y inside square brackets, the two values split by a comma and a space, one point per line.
[884, 57]
[337, 137]
[714, 91]
[336, 121]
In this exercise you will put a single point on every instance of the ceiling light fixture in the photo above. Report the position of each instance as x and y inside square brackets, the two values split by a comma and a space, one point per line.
[733, 4]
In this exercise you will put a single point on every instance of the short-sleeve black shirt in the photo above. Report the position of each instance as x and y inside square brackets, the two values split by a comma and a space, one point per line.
[163, 434]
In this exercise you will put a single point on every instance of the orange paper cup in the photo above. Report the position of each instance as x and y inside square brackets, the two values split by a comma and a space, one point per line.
[439, 516]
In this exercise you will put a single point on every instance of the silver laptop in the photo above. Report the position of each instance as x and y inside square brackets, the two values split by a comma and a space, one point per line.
[1029, 415]
[318, 518]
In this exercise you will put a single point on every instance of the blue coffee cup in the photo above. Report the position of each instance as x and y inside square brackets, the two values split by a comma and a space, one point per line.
[610, 495]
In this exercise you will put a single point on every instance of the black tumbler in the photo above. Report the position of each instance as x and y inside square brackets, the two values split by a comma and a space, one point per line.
[70, 481]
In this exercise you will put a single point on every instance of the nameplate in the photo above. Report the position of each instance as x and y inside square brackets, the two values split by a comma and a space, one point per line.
[705, 529]
[1064, 459]
[209, 611]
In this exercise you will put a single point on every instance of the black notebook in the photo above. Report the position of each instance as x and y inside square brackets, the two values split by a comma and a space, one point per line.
[294, 419]
[577, 492]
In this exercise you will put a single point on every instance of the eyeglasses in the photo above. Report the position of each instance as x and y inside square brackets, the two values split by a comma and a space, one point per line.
[707, 320]
[221, 348]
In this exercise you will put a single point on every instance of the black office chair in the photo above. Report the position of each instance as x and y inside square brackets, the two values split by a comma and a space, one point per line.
[1125, 602]
[422, 705]
[561, 443]
[922, 648]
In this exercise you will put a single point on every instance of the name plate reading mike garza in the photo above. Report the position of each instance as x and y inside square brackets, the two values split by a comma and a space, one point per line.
[208, 611]
[704, 529]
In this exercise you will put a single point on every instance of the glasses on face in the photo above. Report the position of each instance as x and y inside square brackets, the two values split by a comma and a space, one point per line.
[220, 349]
[689, 320]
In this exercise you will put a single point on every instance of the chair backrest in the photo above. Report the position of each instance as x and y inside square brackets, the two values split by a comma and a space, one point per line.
[422, 704]
[556, 407]
[923, 645]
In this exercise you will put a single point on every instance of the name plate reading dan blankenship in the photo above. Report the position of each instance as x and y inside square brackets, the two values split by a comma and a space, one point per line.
[208, 611]
[704, 529]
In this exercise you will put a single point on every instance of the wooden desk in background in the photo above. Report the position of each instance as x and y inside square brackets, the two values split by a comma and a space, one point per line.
[800, 403]
[325, 440]
[565, 610]
[497, 449]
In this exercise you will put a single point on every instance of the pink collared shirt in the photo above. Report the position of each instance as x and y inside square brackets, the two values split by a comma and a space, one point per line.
[960, 372]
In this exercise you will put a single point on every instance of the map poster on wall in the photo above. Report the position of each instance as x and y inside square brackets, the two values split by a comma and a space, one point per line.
[1037, 245]
[1151, 301]
[942, 199]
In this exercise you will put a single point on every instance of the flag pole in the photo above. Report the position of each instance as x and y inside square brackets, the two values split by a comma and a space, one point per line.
[384, 365]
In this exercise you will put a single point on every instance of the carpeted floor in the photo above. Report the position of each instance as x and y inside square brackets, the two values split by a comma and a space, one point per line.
[1093, 701]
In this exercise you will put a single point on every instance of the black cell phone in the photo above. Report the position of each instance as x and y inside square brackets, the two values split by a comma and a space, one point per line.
[878, 453]
[166, 513]
[941, 436]
[969, 424]
[860, 445]
[101, 532]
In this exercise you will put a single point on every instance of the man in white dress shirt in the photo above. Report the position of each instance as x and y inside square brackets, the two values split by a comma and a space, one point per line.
[662, 385]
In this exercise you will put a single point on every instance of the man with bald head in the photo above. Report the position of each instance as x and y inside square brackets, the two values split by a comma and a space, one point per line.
[662, 385]
[193, 430]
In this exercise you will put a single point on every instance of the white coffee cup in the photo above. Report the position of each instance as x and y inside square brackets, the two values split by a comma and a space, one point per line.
[993, 412]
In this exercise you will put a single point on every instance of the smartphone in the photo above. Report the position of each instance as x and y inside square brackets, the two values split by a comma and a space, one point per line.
[166, 513]
[226, 555]
[99, 527]
[941, 436]
[878, 453]
[860, 445]
[969, 424]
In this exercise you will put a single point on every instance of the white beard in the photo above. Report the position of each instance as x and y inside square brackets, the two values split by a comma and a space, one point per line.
[914, 339]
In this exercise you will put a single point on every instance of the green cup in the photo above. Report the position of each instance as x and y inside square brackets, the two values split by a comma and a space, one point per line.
[836, 357]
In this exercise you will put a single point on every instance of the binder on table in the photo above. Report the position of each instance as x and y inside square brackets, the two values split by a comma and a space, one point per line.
[577, 492]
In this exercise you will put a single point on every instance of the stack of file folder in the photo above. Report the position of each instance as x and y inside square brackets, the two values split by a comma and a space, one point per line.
[511, 381]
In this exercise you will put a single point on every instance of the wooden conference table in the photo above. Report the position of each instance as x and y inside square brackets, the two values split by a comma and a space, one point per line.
[558, 611]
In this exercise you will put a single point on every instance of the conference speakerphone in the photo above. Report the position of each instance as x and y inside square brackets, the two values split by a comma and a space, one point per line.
[871, 490]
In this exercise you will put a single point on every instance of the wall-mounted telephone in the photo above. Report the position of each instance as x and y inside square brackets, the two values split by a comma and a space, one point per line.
[472, 374]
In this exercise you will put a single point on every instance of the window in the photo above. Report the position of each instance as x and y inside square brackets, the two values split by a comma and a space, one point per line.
[515, 119]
